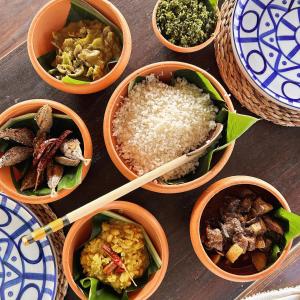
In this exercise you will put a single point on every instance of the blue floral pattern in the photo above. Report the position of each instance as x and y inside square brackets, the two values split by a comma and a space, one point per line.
[266, 40]
[26, 272]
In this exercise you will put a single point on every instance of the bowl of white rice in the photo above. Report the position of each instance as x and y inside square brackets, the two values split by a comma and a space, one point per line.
[151, 122]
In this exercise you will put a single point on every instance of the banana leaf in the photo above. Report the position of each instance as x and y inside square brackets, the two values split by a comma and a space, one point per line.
[72, 175]
[235, 124]
[80, 10]
[291, 225]
[92, 287]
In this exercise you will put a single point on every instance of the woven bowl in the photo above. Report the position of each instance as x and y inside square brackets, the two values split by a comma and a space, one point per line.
[52, 17]
[30, 106]
[80, 232]
[213, 197]
[180, 49]
[164, 71]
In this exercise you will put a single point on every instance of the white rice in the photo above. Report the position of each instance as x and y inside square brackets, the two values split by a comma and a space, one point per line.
[157, 123]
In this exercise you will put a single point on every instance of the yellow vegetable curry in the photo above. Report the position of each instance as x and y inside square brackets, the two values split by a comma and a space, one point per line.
[84, 50]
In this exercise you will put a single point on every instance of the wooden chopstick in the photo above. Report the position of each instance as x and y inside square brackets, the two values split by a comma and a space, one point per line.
[119, 192]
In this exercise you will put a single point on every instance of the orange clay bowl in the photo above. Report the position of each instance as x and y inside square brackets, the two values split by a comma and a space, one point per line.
[208, 204]
[52, 17]
[180, 49]
[30, 106]
[164, 71]
[80, 232]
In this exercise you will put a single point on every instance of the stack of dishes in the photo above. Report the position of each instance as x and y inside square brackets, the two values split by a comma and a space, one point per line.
[266, 43]
[25, 272]
[265, 38]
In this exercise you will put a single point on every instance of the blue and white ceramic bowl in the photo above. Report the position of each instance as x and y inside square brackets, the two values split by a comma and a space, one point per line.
[266, 43]
[26, 272]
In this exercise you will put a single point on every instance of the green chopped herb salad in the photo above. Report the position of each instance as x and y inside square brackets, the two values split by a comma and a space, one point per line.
[186, 23]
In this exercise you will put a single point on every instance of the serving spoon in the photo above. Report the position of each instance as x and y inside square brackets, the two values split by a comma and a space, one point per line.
[94, 205]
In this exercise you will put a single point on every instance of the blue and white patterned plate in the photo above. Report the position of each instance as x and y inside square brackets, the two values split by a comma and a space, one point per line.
[26, 272]
[266, 43]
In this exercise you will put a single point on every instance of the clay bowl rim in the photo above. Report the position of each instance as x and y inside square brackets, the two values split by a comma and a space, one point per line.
[118, 162]
[181, 49]
[89, 87]
[32, 104]
[197, 212]
[119, 205]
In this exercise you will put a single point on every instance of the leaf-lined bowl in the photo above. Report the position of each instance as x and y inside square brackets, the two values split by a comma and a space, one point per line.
[213, 162]
[22, 115]
[84, 229]
[208, 205]
[54, 16]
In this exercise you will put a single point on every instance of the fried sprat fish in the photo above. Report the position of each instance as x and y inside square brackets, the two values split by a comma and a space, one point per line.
[22, 136]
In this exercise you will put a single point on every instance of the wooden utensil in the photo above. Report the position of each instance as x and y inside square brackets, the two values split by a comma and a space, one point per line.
[121, 191]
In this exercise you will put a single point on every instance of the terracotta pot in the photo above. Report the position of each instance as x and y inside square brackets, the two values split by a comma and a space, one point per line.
[180, 49]
[163, 70]
[31, 106]
[214, 195]
[80, 232]
[52, 17]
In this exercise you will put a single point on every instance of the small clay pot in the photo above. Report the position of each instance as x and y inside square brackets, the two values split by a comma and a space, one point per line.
[80, 232]
[52, 17]
[180, 49]
[32, 106]
[164, 71]
[208, 204]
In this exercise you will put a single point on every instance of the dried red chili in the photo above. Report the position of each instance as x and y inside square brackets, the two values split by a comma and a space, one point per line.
[109, 268]
[42, 149]
[119, 270]
[51, 150]
[113, 255]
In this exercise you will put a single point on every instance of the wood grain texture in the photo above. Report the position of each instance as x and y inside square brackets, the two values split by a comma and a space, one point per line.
[15, 16]
[267, 151]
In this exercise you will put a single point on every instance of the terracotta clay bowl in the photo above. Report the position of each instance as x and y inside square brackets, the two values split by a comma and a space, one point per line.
[180, 49]
[208, 205]
[52, 17]
[80, 232]
[32, 106]
[164, 71]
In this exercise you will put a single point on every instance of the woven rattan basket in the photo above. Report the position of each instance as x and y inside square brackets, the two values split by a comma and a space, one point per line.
[46, 215]
[237, 83]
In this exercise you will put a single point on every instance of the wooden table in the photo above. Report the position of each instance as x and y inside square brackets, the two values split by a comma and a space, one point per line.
[267, 151]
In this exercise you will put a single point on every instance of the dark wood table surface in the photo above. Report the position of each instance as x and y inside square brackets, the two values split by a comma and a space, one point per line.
[267, 151]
